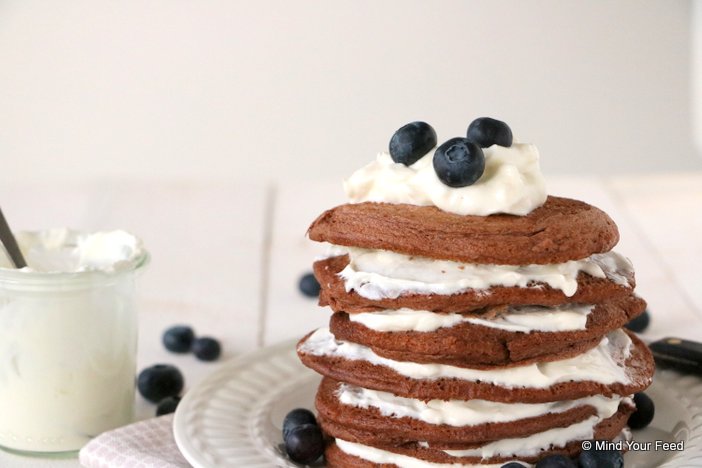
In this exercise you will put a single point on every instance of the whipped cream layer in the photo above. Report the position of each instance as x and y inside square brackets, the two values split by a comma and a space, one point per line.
[379, 456]
[379, 274]
[64, 250]
[603, 364]
[524, 319]
[520, 447]
[535, 443]
[512, 183]
[459, 413]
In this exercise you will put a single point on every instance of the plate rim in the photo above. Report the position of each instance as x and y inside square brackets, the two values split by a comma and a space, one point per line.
[189, 452]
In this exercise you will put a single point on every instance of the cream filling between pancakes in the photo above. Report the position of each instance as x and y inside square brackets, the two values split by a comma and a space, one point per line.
[459, 413]
[380, 457]
[603, 364]
[525, 319]
[380, 274]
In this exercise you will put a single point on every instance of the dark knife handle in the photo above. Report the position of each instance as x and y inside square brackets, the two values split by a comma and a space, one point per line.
[678, 354]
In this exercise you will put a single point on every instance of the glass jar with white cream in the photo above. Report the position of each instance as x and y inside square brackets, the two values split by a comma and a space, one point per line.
[68, 338]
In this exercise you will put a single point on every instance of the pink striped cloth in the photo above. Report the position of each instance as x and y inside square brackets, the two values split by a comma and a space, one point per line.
[146, 444]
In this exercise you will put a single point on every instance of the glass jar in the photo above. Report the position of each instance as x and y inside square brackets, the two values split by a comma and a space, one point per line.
[68, 346]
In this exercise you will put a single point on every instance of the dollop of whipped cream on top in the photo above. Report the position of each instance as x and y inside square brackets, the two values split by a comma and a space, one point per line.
[512, 183]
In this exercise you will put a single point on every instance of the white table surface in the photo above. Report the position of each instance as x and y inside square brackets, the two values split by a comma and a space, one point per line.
[226, 256]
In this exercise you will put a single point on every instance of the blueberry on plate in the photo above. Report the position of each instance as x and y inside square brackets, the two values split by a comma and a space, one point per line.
[556, 461]
[600, 458]
[640, 323]
[309, 286]
[486, 132]
[305, 444]
[459, 162]
[411, 142]
[513, 465]
[297, 417]
[178, 339]
[645, 410]
[160, 381]
[167, 406]
[206, 348]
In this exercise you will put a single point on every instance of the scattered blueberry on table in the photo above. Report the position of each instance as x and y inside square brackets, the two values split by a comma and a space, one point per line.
[297, 417]
[556, 461]
[206, 348]
[411, 142]
[304, 444]
[645, 410]
[302, 437]
[182, 339]
[178, 338]
[167, 406]
[160, 381]
[486, 132]
[459, 162]
[513, 465]
[593, 458]
[640, 323]
[309, 286]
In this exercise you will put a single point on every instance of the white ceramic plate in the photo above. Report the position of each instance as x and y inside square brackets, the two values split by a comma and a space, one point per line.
[233, 418]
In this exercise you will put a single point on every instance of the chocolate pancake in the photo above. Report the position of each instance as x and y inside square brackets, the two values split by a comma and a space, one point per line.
[333, 293]
[560, 230]
[565, 351]
[607, 429]
[478, 346]
[639, 368]
[388, 430]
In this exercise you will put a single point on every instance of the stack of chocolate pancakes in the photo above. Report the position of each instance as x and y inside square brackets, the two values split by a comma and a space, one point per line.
[474, 340]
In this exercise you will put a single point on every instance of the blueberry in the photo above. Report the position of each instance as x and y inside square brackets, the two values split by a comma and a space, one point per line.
[459, 162]
[556, 461]
[206, 349]
[486, 132]
[297, 417]
[304, 444]
[160, 381]
[600, 458]
[167, 406]
[309, 286]
[513, 465]
[640, 323]
[645, 410]
[411, 142]
[178, 339]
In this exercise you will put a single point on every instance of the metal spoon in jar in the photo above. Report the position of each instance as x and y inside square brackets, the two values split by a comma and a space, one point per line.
[10, 243]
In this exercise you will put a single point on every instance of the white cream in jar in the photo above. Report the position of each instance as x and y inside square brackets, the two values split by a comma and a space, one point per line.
[68, 334]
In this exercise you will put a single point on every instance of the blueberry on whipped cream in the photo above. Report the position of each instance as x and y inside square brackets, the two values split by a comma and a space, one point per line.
[411, 142]
[486, 132]
[459, 162]
[511, 181]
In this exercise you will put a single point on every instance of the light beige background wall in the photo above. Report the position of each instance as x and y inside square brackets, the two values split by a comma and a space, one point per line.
[272, 89]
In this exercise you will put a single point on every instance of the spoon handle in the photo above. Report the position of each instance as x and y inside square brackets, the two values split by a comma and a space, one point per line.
[10, 243]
